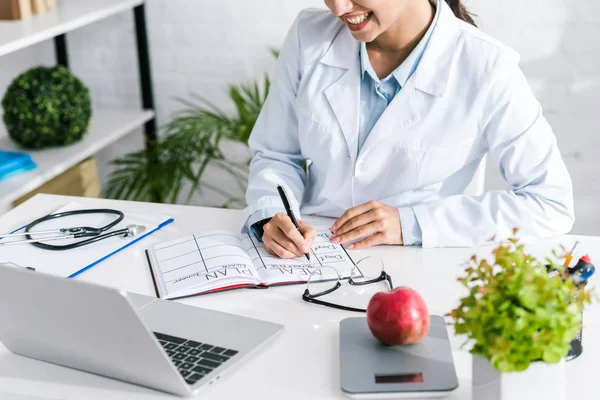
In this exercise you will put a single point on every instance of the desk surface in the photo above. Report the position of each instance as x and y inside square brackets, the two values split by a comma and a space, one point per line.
[303, 361]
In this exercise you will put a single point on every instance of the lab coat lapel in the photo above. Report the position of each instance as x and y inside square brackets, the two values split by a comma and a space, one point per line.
[434, 70]
[401, 113]
[343, 95]
[428, 82]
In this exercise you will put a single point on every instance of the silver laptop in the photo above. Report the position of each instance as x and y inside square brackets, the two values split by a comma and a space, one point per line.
[138, 339]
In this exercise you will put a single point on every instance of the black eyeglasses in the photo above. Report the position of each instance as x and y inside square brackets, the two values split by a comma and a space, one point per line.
[317, 288]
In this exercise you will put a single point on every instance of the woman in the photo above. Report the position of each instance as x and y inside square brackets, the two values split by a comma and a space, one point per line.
[395, 103]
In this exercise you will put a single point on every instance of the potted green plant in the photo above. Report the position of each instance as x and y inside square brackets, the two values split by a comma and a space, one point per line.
[520, 321]
[47, 107]
[173, 170]
[194, 141]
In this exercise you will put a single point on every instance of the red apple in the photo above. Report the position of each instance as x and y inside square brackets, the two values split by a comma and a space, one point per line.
[398, 317]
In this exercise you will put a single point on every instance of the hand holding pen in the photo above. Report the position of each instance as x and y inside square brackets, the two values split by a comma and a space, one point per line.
[285, 236]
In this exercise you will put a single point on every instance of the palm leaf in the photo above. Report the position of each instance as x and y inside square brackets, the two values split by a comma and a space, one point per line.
[192, 142]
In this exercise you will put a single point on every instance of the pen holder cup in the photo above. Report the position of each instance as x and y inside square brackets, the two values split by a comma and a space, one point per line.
[576, 347]
[576, 344]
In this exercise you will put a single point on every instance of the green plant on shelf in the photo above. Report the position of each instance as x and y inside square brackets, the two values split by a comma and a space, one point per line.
[46, 107]
[515, 312]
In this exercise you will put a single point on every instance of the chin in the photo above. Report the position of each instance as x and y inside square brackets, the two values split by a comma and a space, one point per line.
[370, 38]
[364, 36]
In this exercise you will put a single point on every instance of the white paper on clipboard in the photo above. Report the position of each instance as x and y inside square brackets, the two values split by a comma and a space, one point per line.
[70, 263]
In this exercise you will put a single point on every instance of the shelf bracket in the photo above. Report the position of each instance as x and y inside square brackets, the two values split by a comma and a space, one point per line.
[150, 129]
[60, 48]
[145, 72]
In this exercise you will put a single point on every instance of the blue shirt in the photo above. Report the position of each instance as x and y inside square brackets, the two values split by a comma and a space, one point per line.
[375, 95]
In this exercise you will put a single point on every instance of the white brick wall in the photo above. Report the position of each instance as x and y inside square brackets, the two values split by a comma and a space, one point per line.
[560, 55]
[203, 46]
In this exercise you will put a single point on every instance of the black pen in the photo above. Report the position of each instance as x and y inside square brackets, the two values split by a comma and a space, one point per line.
[289, 212]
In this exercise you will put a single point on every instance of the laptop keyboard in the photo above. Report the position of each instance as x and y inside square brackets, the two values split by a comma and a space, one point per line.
[194, 360]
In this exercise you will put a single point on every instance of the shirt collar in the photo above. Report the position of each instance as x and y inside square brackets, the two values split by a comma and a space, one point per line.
[408, 67]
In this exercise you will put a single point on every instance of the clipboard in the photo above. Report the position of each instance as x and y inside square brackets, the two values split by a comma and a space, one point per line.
[70, 263]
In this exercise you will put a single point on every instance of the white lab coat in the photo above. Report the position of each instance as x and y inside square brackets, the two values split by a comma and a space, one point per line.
[467, 97]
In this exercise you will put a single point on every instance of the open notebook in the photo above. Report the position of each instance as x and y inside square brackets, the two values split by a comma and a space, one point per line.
[220, 260]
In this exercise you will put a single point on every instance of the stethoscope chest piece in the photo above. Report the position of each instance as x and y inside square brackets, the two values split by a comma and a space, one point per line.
[133, 231]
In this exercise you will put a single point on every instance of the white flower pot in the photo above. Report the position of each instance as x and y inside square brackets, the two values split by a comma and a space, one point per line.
[540, 381]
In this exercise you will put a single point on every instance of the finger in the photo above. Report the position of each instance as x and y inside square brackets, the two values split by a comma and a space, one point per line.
[285, 225]
[284, 241]
[353, 212]
[268, 247]
[275, 249]
[307, 231]
[373, 240]
[362, 219]
[361, 231]
[309, 234]
[273, 229]
[276, 239]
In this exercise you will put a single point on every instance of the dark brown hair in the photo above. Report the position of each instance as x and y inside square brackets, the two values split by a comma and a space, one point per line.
[461, 11]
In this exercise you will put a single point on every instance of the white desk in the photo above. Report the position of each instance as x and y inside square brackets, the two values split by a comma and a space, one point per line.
[302, 362]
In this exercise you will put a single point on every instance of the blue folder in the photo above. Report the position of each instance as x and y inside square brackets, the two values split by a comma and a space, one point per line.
[13, 163]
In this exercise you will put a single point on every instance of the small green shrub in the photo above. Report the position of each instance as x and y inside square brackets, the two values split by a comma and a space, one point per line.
[515, 313]
[46, 106]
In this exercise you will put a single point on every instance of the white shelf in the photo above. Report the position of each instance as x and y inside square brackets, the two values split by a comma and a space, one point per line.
[69, 15]
[106, 127]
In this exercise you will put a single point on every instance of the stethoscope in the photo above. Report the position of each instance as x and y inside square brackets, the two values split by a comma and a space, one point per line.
[94, 234]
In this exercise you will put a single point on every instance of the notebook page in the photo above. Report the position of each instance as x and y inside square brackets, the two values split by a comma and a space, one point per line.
[201, 262]
[275, 270]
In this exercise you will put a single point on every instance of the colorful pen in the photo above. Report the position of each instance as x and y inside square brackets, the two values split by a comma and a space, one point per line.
[570, 255]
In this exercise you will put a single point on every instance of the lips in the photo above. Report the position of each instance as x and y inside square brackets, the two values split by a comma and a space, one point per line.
[358, 22]
[355, 20]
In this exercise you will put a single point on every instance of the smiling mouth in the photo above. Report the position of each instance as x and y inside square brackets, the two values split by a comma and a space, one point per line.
[357, 23]
[357, 20]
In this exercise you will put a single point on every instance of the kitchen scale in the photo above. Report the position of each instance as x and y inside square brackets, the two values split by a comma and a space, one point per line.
[372, 370]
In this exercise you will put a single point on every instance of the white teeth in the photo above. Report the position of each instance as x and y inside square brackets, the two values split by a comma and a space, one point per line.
[358, 20]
